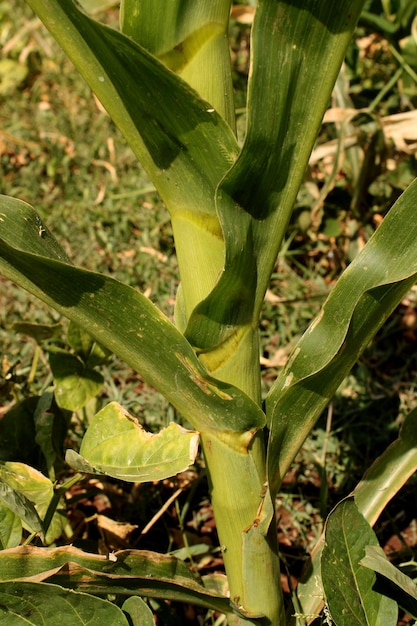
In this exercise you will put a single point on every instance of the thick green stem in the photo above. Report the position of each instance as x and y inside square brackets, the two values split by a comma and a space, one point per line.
[200, 255]
[245, 523]
[244, 511]
[197, 48]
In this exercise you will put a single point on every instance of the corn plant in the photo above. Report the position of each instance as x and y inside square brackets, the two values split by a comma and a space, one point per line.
[165, 79]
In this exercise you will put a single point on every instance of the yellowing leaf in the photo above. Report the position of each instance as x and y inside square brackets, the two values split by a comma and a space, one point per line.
[117, 445]
[36, 490]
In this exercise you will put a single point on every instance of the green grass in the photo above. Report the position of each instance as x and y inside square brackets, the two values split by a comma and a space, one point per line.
[60, 152]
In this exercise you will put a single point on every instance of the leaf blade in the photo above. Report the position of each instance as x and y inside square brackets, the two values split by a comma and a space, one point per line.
[389, 472]
[352, 601]
[74, 383]
[376, 560]
[183, 143]
[365, 295]
[123, 320]
[10, 528]
[179, 142]
[138, 611]
[116, 444]
[130, 572]
[42, 603]
[381, 482]
[187, 37]
[28, 493]
[298, 49]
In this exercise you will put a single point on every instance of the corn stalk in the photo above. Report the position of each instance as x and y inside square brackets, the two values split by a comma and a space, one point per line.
[165, 79]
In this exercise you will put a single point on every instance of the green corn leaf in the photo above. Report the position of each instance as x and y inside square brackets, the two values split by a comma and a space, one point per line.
[127, 572]
[116, 444]
[348, 585]
[187, 36]
[363, 298]
[31, 604]
[180, 139]
[389, 472]
[181, 142]
[296, 56]
[121, 319]
[405, 587]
